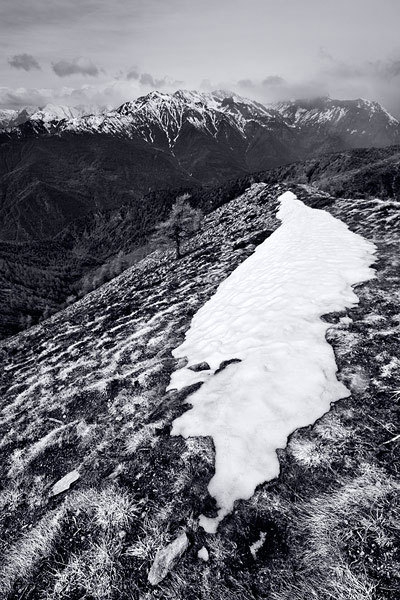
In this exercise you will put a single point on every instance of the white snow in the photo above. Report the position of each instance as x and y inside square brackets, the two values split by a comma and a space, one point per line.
[267, 314]
[254, 548]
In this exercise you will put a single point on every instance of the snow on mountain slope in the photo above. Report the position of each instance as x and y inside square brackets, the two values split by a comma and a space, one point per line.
[266, 319]
[168, 113]
[360, 122]
[44, 115]
[54, 112]
[323, 110]
[7, 115]
[224, 126]
[13, 118]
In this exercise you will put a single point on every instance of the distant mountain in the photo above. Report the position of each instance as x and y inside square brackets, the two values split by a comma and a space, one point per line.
[165, 119]
[326, 123]
[7, 116]
[11, 118]
[59, 166]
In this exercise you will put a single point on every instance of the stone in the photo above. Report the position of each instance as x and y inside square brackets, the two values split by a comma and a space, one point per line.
[64, 483]
[166, 558]
[203, 554]
[203, 366]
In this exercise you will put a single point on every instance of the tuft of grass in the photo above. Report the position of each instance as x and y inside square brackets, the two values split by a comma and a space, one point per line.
[29, 551]
[91, 573]
[345, 541]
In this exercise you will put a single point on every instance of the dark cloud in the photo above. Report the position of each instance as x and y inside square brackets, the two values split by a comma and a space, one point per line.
[273, 81]
[245, 83]
[21, 97]
[133, 73]
[393, 69]
[385, 70]
[147, 79]
[27, 62]
[77, 66]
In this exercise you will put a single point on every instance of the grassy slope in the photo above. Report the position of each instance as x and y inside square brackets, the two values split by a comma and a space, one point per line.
[355, 173]
[88, 246]
[86, 390]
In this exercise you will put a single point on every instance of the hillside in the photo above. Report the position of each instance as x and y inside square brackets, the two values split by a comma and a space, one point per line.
[37, 278]
[54, 170]
[84, 393]
[365, 171]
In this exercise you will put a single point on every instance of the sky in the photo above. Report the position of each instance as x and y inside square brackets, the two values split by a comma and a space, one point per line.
[109, 51]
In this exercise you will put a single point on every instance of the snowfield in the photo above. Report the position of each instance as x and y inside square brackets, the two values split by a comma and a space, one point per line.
[266, 315]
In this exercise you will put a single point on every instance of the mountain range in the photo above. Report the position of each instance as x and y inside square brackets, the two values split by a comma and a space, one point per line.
[59, 165]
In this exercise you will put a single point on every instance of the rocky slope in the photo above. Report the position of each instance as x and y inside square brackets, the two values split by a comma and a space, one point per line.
[54, 170]
[84, 394]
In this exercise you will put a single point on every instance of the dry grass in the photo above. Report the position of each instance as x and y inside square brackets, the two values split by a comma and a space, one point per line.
[25, 555]
[91, 573]
[336, 536]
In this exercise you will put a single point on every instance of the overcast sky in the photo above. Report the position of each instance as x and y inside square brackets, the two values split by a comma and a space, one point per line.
[109, 51]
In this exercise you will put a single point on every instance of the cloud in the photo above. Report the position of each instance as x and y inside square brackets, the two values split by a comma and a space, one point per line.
[77, 66]
[17, 98]
[273, 88]
[27, 62]
[242, 83]
[133, 73]
[273, 80]
[147, 80]
[376, 80]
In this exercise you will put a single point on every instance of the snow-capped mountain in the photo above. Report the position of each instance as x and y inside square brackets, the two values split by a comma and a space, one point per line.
[58, 165]
[10, 117]
[355, 123]
[160, 119]
[7, 115]
[50, 113]
[54, 112]
[170, 113]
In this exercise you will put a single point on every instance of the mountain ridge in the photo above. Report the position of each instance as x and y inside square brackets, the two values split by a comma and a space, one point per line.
[159, 106]
[53, 172]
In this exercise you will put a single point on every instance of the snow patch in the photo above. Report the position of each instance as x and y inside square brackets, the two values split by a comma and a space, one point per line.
[267, 315]
[254, 548]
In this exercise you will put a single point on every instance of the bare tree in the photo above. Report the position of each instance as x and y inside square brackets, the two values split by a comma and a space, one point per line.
[182, 222]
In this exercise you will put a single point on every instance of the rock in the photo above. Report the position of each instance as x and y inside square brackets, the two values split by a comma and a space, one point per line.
[203, 366]
[64, 483]
[226, 363]
[166, 558]
[203, 554]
